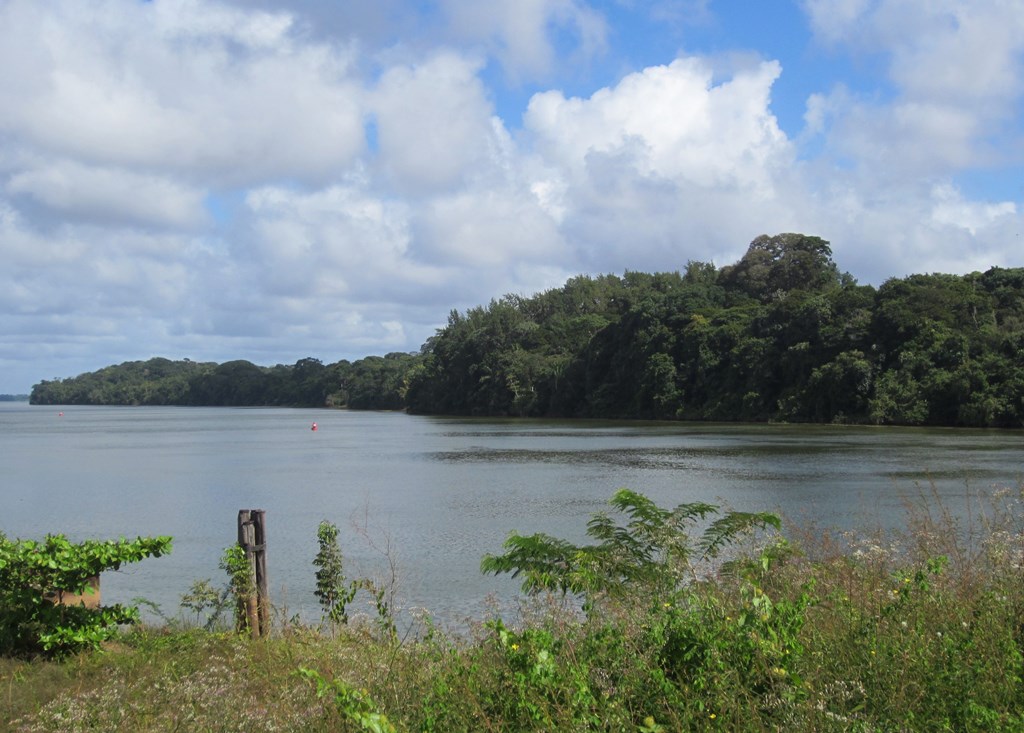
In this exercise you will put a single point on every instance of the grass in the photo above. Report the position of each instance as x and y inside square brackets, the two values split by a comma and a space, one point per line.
[917, 630]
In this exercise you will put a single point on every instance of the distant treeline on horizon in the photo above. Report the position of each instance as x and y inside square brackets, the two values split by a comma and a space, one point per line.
[781, 335]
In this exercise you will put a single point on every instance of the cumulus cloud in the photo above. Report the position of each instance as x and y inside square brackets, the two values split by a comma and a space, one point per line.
[434, 123]
[673, 122]
[950, 208]
[953, 50]
[665, 151]
[491, 229]
[956, 69]
[834, 19]
[332, 242]
[189, 88]
[110, 195]
[78, 283]
[887, 175]
[522, 33]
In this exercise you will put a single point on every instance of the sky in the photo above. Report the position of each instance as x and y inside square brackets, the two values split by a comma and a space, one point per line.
[272, 180]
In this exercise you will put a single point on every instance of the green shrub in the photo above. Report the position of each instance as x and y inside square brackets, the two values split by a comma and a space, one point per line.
[33, 573]
[331, 591]
[652, 550]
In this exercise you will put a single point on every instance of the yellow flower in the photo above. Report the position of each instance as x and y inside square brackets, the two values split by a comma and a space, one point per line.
[516, 646]
[713, 716]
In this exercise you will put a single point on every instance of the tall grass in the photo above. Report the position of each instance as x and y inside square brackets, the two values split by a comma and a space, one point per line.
[920, 629]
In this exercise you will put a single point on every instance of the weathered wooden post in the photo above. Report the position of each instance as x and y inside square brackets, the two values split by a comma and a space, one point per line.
[252, 538]
[259, 518]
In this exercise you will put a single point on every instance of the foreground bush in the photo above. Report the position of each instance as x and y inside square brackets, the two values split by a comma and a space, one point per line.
[921, 630]
[36, 576]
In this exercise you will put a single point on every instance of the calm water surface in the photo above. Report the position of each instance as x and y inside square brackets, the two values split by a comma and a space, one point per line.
[437, 493]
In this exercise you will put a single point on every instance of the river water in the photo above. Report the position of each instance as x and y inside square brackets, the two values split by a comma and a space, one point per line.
[429, 496]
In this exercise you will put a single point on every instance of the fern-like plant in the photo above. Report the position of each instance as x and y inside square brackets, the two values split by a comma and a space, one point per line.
[652, 547]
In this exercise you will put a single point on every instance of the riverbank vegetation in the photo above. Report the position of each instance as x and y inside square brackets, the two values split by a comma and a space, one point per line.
[780, 335]
[49, 600]
[372, 383]
[799, 630]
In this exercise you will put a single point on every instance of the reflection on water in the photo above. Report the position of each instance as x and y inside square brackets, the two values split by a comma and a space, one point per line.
[439, 492]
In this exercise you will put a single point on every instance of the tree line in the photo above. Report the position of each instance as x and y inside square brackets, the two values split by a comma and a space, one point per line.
[372, 383]
[781, 334]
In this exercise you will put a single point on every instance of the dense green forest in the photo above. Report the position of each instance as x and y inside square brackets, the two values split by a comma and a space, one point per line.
[372, 383]
[780, 335]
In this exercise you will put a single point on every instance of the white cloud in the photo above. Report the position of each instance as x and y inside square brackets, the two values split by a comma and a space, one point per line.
[434, 124]
[22, 249]
[192, 88]
[109, 195]
[957, 69]
[949, 208]
[488, 229]
[91, 273]
[194, 19]
[335, 242]
[896, 228]
[971, 54]
[663, 167]
[886, 179]
[834, 20]
[672, 122]
[901, 141]
[521, 33]
[949, 50]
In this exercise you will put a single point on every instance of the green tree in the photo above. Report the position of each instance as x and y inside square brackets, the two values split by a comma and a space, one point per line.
[773, 266]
